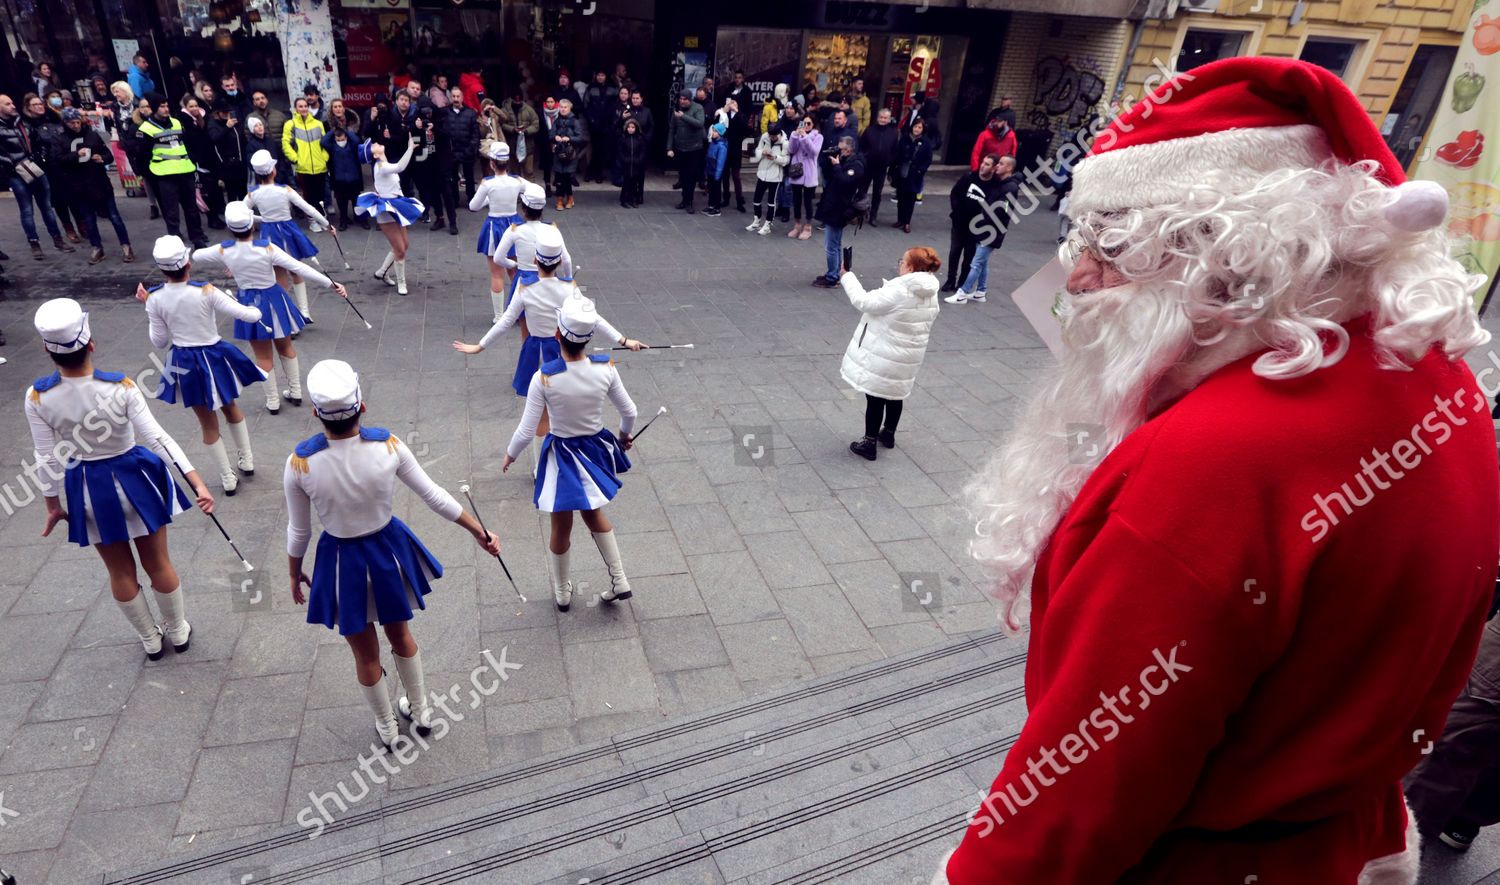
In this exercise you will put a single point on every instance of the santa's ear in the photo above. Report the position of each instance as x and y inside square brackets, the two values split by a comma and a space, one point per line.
[1417, 206]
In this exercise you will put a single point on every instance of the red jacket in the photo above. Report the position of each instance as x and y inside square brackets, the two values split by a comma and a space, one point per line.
[1269, 667]
[1005, 146]
[473, 88]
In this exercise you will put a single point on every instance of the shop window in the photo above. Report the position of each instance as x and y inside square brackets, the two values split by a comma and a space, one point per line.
[1330, 54]
[833, 60]
[1417, 100]
[1203, 45]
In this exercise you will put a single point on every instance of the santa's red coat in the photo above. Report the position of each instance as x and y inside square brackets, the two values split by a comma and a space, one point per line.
[1272, 677]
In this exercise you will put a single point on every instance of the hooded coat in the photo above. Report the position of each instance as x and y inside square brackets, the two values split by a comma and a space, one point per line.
[890, 341]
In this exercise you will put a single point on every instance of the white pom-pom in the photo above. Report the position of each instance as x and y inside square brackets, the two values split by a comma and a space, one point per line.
[1417, 206]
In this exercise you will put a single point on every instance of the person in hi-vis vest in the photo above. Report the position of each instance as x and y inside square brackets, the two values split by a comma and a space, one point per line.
[175, 175]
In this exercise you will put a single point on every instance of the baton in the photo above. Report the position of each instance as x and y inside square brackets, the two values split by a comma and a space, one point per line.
[465, 489]
[243, 561]
[637, 435]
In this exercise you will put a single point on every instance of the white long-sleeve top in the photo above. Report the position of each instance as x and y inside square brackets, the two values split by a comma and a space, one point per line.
[274, 202]
[522, 237]
[187, 314]
[540, 301]
[388, 175]
[574, 399]
[91, 418]
[350, 483]
[499, 193]
[253, 263]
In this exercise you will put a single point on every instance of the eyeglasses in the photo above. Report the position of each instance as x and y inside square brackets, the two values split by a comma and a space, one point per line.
[1085, 239]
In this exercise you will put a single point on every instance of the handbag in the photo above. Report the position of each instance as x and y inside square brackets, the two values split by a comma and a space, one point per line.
[28, 171]
[795, 170]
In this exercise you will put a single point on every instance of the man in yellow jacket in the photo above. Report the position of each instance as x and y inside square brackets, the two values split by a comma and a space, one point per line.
[302, 143]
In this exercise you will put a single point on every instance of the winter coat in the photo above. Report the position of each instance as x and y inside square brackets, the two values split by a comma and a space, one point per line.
[643, 120]
[302, 143]
[519, 121]
[343, 162]
[199, 144]
[860, 105]
[569, 127]
[229, 147]
[878, 144]
[890, 341]
[85, 177]
[770, 159]
[770, 113]
[631, 154]
[713, 159]
[843, 184]
[12, 145]
[910, 165]
[685, 133]
[805, 150]
[598, 107]
[473, 87]
[976, 207]
[460, 129]
[987, 143]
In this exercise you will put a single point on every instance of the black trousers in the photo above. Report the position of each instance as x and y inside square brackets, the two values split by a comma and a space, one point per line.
[1458, 782]
[345, 193]
[960, 253]
[732, 163]
[176, 197]
[634, 190]
[433, 190]
[802, 197]
[213, 194]
[881, 414]
[906, 202]
[691, 165]
[877, 173]
[313, 187]
[562, 184]
[716, 193]
[765, 198]
[463, 165]
[234, 182]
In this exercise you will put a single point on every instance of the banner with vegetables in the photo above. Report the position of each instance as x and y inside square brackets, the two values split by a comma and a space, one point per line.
[1457, 156]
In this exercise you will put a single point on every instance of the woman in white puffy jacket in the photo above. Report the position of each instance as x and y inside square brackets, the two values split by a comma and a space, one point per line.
[770, 159]
[890, 343]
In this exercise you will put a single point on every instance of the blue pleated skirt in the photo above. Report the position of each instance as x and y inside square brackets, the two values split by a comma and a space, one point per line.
[115, 499]
[579, 472]
[211, 375]
[289, 236]
[375, 578]
[535, 350]
[277, 309]
[491, 231]
[403, 209]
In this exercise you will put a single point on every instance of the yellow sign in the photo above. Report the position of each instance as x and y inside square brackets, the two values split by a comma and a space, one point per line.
[1458, 157]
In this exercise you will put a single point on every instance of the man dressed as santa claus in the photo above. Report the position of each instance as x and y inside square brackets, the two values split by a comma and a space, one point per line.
[1253, 513]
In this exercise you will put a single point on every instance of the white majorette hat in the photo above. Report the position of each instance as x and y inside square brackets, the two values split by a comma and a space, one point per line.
[333, 387]
[238, 217]
[170, 252]
[534, 196]
[549, 244]
[63, 325]
[576, 318]
[499, 151]
[261, 162]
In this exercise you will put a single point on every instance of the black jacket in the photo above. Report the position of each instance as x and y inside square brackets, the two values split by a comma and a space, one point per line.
[631, 154]
[598, 107]
[643, 119]
[200, 146]
[909, 168]
[460, 130]
[84, 177]
[12, 144]
[229, 146]
[400, 128]
[749, 111]
[840, 188]
[972, 197]
[878, 144]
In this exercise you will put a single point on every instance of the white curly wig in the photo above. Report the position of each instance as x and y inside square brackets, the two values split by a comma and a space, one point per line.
[1223, 270]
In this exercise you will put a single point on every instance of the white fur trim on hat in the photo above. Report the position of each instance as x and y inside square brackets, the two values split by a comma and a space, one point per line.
[1166, 171]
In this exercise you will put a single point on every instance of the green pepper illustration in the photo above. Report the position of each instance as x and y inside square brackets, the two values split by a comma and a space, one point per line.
[1466, 89]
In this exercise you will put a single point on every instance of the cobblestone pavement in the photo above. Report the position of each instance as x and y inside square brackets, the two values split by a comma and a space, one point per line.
[761, 551]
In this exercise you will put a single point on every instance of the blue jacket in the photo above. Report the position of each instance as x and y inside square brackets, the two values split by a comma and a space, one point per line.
[343, 162]
[713, 161]
[140, 82]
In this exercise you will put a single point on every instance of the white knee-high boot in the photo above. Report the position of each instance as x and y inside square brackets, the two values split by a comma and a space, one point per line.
[562, 587]
[497, 303]
[414, 705]
[240, 433]
[227, 478]
[619, 587]
[380, 704]
[174, 625]
[385, 266]
[138, 612]
[299, 294]
[401, 277]
[293, 390]
[273, 393]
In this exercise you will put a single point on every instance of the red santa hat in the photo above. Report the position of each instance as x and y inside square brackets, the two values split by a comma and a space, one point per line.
[1228, 124]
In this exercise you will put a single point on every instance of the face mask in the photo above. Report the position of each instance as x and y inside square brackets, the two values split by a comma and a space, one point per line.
[55, 101]
[341, 141]
[231, 92]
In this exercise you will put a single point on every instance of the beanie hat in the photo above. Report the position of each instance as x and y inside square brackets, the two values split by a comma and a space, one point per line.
[1228, 124]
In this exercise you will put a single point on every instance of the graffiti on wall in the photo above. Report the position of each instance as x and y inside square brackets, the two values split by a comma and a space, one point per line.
[1067, 90]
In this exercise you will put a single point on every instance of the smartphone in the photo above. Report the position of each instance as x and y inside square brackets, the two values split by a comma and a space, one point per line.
[848, 258]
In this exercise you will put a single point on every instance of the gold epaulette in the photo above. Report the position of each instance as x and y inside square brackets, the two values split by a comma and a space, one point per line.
[35, 395]
[391, 442]
[299, 464]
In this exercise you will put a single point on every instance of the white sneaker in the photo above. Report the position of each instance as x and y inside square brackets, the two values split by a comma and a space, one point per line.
[229, 482]
[753, 225]
[958, 298]
[765, 229]
[978, 296]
